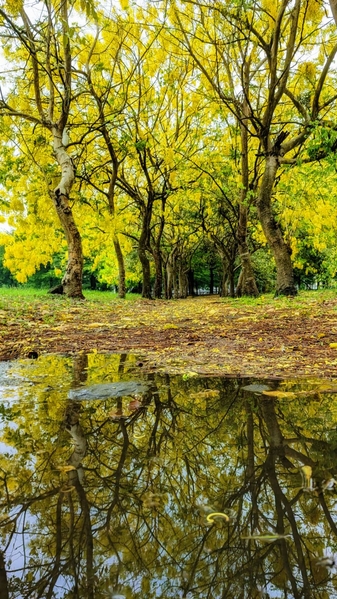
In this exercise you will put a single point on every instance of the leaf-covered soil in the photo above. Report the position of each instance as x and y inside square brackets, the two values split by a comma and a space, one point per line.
[266, 337]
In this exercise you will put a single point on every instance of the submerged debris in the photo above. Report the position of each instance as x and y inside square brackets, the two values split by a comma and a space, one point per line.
[107, 390]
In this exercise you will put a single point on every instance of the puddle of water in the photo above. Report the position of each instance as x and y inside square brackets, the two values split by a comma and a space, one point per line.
[165, 486]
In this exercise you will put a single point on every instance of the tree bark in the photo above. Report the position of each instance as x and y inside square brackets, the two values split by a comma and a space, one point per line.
[165, 281]
[72, 279]
[247, 280]
[157, 255]
[145, 263]
[175, 282]
[190, 276]
[121, 268]
[227, 282]
[171, 274]
[182, 282]
[285, 277]
[333, 5]
[144, 245]
[3, 578]
[169, 281]
[158, 264]
[211, 280]
[224, 283]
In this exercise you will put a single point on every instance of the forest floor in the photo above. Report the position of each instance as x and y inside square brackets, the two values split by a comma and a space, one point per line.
[207, 335]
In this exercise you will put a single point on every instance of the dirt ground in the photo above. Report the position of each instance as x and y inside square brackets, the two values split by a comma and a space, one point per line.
[206, 335]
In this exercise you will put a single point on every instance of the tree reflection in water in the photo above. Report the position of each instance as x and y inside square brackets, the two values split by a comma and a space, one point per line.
[114, 497]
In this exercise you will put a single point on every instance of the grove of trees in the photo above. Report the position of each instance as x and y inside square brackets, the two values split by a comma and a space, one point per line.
[142, 140]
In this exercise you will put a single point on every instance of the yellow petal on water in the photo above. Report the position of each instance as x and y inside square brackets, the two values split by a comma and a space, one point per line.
[307, 471]
[66, 468]
[308, 484]
[207, 394]
[210, 517]
[65, 489]
[271, 537]
[279, 393]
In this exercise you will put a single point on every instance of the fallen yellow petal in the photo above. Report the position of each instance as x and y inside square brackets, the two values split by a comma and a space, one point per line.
[307, 471]
[210, 517]
[66, 489]
[279, 393]
[66, 468]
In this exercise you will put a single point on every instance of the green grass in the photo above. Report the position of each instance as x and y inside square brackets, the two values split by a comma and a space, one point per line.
[23, 304]
[31, 292]
[107, 296]
[24, 292]
[22, 297]
[303, 298]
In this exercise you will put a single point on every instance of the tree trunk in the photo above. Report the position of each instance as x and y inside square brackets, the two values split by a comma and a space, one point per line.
[80, 370]
[3, 578]
[157, 255]
[158, 284]
[146, 271]
[182, 282]
[72, 279]
[175, 281]
[93, 282]
[165, 281]
[169, 280]
[111, 199]
[247, 283]
[224, 283]
[144, 246]
[190, 276]
[227, 283]
[121, 267]
[281, 251]
[158, 264]
[211, 280]
[333, 6]
[247, 280]
[231, 281]
[171, 274]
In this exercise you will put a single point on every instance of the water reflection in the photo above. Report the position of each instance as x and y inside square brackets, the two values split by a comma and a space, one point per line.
[196, 488]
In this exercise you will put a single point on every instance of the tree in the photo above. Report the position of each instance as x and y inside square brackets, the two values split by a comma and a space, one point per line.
[161, 132]
[105, 74]
[253, 75]
[43, 57]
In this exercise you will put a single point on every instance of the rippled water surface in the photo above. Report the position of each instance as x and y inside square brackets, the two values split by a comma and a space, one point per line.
[119, 484]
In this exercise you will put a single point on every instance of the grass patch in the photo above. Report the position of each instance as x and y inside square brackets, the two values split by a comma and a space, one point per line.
[304, 298]
[27, 294]
[107, 296]
[31, 292]
[23, 292]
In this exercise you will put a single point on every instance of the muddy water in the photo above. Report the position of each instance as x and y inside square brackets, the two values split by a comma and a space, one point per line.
[115, 483]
